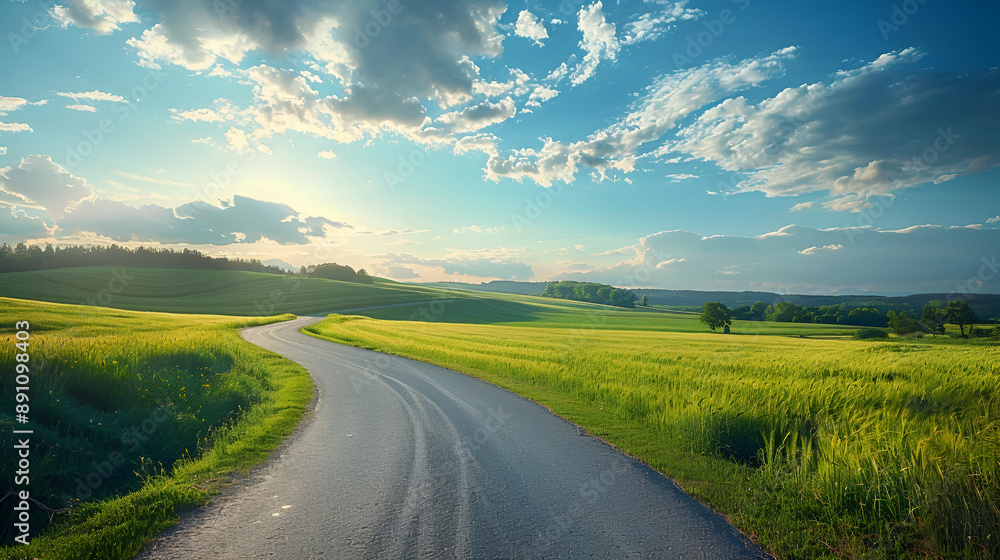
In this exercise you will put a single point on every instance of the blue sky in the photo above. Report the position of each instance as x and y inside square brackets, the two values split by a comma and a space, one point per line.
[730, 144]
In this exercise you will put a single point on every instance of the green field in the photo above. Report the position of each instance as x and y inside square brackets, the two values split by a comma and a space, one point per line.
[137, 416]
[816, 445]
[219, 292]
[818, 448]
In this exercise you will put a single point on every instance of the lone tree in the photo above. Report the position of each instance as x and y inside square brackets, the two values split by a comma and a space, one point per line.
[716, 315]
[959, 313]
[934, 316]
[645, 301]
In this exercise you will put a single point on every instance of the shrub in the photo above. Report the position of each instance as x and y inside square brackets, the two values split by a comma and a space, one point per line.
[864, 334]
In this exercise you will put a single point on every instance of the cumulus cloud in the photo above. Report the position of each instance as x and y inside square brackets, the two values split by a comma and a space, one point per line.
[241, 220]
[327, 154]
[907, 131]
[40, 181]
[101, 16]
[15, 127]
[917, 259]
[70, 203]
[479, 116]
[16, 224]
[388, 65]
[993, 220]
[670, 98]
[598, 43]
[528, 25]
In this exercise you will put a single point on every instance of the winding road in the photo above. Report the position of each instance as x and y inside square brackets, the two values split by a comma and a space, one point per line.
[402, 459]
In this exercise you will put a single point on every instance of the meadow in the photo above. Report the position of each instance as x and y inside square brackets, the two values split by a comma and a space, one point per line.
[220, 292]
[137, 416]
[816, 446]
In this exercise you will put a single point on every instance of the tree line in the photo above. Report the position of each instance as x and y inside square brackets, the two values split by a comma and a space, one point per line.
[334, 271]
[23, 257]
[933, 318]
[590, 292]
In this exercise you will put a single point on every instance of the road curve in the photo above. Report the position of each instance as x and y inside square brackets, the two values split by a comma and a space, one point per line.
[402, 459]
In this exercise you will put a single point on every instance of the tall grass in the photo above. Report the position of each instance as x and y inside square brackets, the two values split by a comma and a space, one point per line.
[818, 448]
[135, 416]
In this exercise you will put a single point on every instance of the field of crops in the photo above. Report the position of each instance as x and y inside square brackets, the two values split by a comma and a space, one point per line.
[818, 448]
[136, 415]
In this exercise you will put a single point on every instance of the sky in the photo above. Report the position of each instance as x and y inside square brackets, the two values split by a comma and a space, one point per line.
[793, 147]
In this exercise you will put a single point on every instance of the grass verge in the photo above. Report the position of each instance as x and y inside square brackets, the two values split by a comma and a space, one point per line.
[816, 448]
[137, 416]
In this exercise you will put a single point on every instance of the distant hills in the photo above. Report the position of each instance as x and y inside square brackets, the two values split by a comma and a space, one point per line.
[987, 306]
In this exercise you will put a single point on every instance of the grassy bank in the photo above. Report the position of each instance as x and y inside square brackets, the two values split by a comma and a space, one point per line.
[135, 417]
[817, 448]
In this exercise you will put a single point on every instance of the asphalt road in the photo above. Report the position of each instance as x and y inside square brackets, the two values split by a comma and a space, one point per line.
[402, 459]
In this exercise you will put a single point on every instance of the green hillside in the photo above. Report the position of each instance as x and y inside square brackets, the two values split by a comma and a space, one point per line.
[221, 292]
[257, 294]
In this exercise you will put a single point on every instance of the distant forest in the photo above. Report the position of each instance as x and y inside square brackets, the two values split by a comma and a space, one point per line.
[591, 292]
[32, 257]
[334, 271]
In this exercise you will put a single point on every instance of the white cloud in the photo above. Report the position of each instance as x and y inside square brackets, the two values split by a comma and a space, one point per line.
[818, 137]
[667, 263]
[38, 180]
[840, 259]
[814, 250]
[485, 143]
[678, 177]
[237, 139]
[599, 42]
[196, 115]
[670, 98]
[327, 154]
[479, 116]
[478, 229]
[8, 104]
[83, 108]
[92, 96]
[102, 16]
[529, 26]
[801, 206]
[993, 220]
[15, 127]
[652, 25]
